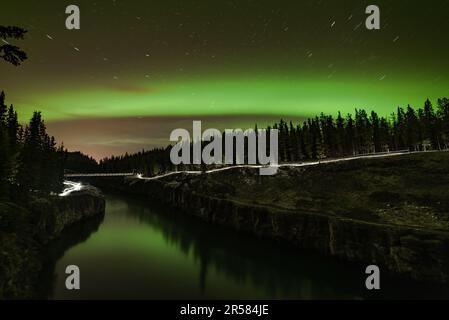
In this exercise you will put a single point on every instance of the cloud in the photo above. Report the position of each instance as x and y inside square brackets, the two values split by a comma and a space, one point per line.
[131, 143]
[102, 137]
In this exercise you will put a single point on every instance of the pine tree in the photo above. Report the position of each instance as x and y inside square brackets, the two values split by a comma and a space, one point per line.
[431, 125]
[282, 140]
[376, 132]
[294, 143]
[385, 136]
[350, 136]
[306, 147]
[3, 107]
[443, 115]
[5, 155]
[13, 128]
[340, 135]
[363, 132]
[412, 130]
[5, 162]
[28, 175]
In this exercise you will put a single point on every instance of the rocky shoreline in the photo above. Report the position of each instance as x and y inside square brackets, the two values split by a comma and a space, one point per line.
[387, 232]
[26, 232]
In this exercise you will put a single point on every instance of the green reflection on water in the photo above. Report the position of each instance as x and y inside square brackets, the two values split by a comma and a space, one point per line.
[140, 252]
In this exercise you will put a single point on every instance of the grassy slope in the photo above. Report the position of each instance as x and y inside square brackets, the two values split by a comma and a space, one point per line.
[410, 190]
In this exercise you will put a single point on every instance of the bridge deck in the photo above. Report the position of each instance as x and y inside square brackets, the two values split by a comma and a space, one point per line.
[83, 175]
[300, 164]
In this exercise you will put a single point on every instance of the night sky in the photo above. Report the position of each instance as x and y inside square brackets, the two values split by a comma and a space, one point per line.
[138, 69]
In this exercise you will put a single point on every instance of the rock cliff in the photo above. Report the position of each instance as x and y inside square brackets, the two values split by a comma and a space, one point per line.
[390, 212]
[25, 231]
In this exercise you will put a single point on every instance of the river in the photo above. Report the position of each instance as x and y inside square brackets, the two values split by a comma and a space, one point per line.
[139, 251]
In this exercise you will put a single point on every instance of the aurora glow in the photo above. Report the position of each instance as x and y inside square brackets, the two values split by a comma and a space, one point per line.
[270, 95]
[236, 62]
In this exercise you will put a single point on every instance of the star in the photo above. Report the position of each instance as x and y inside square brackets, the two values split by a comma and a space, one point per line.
[357, 26]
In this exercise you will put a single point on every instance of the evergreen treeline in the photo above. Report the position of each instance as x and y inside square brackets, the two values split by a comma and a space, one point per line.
[79, 162]
[30, 161]
[324, 136]
[148, 162]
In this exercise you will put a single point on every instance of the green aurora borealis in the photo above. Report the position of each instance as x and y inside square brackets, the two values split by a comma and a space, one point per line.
[155, 66]
[267, 95]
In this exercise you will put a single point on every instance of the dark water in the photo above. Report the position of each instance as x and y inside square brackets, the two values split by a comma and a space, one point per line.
[140, 252]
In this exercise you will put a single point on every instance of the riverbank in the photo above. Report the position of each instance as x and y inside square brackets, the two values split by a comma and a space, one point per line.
[393, 212]
[25, 231]
[155, 252]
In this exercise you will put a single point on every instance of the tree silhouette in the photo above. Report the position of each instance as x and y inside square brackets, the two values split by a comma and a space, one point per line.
[29, 157]
[325, 137]
[8, 52]
[5, 157]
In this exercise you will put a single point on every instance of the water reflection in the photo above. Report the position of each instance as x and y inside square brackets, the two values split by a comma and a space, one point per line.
[144, 251]
[76, 235]
[277, 271]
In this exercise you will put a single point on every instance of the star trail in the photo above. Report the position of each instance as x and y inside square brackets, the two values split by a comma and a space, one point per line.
[231, 63]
